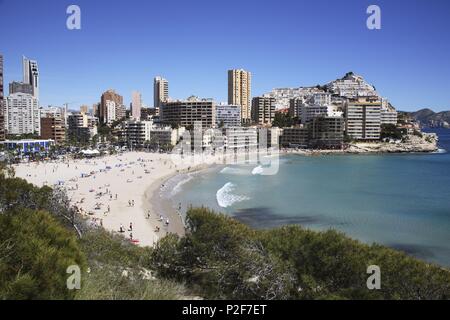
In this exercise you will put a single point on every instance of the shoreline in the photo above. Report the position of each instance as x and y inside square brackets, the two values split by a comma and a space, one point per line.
[136, 177]
[157, 203]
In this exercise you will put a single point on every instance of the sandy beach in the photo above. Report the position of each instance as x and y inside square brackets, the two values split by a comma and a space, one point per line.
[117, 191]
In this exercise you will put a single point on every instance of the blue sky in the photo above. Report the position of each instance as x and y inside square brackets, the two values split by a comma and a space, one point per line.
[124, 44]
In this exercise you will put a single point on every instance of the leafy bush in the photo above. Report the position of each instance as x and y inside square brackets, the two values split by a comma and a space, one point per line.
[222, 258]
[35, 254]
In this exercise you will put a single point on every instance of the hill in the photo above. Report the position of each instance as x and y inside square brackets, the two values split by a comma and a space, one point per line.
[429, 118]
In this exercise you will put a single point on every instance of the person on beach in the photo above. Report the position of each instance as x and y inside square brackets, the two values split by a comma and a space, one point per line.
[131, 236]
[121, 229]
[132, 201]
[129, 203]
[131, 226]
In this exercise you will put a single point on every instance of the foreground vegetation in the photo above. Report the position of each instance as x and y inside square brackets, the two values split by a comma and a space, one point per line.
[219, 258]
[222, 258]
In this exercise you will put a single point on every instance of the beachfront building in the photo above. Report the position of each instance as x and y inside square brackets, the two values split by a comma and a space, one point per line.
[136, 133]
[363, 118]
[160, 92]
[228, 116]
[22, 114]
[263, 110]
[239, 139]
[28, 146]
[240, 91]
[53, 128]
[326, 132]
[185, 113]
[81, 127]
[166, 136]
[296, 137]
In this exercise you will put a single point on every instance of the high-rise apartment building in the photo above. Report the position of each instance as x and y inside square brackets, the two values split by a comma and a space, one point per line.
[186, 112]
[22, 114]
[2, 102]
[136, 105]
[31, 75]
[363, 118]
[160, 91]
[239, 91]
[111, 107]
[326, 132]
[263, 110]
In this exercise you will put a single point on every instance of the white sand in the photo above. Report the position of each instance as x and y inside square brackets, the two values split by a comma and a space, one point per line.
[126, 178]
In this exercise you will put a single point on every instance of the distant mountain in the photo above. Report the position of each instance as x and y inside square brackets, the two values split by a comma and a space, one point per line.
[429, 118]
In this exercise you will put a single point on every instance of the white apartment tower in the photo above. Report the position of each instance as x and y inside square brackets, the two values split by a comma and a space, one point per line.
[160, 91]
[239, 91]
[22, 114]
[363, 118]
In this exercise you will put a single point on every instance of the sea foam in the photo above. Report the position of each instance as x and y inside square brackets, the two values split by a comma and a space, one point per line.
[178, 186]
[257, 170]
[234, 171]
[226, 198]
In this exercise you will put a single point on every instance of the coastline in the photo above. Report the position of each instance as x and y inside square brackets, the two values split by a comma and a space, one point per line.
[139, 177]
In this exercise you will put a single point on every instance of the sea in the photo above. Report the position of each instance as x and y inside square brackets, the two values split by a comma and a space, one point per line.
[398, 200]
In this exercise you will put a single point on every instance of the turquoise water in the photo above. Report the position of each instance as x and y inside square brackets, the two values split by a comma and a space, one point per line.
[402, 201]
